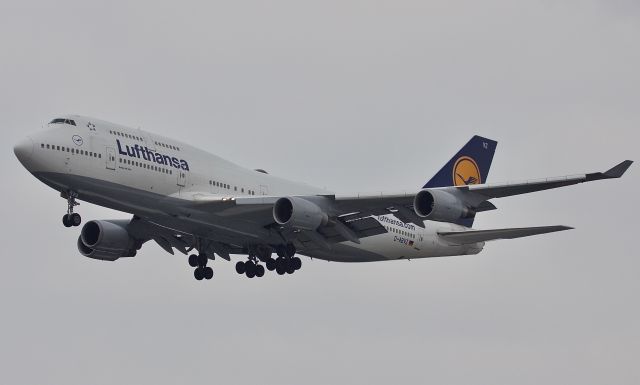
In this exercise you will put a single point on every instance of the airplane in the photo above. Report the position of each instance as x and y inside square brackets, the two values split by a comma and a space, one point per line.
[203, 206]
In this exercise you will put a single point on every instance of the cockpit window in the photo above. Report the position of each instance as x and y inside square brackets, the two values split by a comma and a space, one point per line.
[62, 121]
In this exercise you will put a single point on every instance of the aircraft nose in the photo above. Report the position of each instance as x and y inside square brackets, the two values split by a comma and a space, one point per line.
[24, 149]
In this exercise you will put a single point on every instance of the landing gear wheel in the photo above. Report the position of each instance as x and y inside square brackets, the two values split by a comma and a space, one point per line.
[202, 260]
[296, 262]
[290, 268]
[198, 273]
[281, 266]
[208, 272]
[240, 267]
[75, 219]
[193, 260]
[259, 271]
[271, 264]
[251, 271]
[66, 220]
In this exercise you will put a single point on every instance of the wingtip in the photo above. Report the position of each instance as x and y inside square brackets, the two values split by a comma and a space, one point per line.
[614, 172]
[618, 170]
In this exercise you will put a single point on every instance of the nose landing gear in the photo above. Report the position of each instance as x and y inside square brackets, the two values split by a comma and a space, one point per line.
[71, 218]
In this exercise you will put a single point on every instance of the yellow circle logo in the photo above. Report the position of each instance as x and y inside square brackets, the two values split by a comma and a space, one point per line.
[466, 172]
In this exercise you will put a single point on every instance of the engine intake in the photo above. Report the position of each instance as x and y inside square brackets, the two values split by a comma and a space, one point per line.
[299, 213]
[106, 240]
[439, 205]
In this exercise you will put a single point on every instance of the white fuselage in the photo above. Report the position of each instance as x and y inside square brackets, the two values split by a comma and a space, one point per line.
[145, 174]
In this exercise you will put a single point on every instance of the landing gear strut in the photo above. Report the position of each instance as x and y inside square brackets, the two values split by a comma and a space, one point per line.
[71, 218]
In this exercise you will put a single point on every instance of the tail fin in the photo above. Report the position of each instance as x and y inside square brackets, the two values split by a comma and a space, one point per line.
[469, 166]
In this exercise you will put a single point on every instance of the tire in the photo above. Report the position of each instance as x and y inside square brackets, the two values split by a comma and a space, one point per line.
[271, 264]
[66, 221]
[281, 270]
[208, 272]
[193, 260]
[202, 259]
[198, 274]
[76, 219]
[250, 273]
[290, 269]
[259, 271]
[240, 268]
[296, 262]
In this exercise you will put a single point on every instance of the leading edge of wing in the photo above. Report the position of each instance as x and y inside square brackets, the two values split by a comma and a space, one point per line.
[478, 193]
[474, 236]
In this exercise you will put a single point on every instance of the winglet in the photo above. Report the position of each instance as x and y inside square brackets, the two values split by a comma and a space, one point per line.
[614, 172]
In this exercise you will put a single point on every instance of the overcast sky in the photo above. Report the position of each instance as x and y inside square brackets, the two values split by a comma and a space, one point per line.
[354, 96]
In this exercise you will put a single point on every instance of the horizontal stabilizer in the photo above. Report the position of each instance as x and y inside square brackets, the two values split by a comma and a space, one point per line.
[473, 236]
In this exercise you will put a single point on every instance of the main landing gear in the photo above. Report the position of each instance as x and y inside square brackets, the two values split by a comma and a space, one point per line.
[286, 263]
[71, 218]
[251, 268]
[202, 271]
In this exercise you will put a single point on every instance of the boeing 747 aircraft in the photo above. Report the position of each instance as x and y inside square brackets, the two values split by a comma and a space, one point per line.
[189, 200]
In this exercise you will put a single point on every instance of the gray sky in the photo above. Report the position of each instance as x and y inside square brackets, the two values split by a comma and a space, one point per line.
[353, 96]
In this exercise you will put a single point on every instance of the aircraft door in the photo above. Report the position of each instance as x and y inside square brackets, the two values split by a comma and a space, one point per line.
[182, 178]
[111, 158]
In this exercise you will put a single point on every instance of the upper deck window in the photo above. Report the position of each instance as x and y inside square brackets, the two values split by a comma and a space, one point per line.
[62, 121]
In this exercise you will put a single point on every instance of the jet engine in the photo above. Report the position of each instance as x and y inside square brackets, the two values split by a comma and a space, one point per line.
[439, 205]
[299, 213]
[106, 240]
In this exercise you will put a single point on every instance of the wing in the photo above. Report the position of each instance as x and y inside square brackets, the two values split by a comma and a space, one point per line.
[473, 236]
[349, 218]
[475, 197]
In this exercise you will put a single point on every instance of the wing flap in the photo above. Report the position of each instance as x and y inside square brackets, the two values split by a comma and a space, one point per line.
[474, 236]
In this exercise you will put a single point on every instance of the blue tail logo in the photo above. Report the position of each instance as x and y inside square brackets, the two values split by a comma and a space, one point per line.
[469, 166]
[466, 172]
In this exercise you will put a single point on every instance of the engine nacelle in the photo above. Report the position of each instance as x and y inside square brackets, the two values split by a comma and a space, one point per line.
[106, 240]
[299, 213]
[439, 205]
